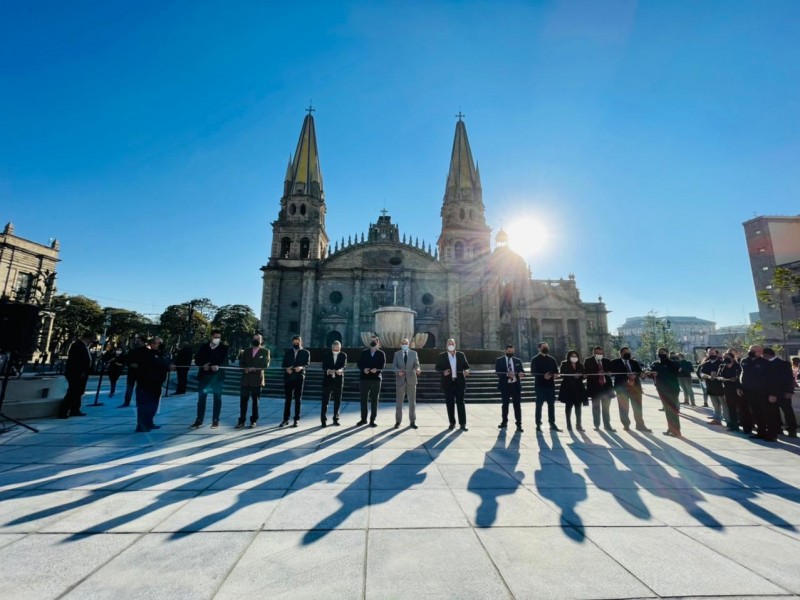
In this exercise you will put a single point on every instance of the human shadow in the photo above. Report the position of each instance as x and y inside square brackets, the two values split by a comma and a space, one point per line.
[558, 483]
[490, 484]
[392, 479]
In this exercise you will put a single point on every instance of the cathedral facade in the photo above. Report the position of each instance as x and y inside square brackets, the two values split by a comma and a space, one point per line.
[462, 288]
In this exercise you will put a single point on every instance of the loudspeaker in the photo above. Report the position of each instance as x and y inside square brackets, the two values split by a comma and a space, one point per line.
[18, 325]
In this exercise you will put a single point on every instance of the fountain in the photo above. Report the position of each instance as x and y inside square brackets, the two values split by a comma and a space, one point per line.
[393, 323]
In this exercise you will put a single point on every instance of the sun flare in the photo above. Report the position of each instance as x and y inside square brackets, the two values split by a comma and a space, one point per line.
[527, 237]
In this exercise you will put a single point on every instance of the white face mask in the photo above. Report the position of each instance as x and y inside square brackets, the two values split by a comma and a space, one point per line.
[334, 350]
[573, 359]
[404, 347]
[450, 348]
[215, 341]
[598, 356]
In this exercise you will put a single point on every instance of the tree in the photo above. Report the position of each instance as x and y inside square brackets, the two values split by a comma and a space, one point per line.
[178, 327]
[73, 315]
[754, 336]
[784, 283]
[237, 323]
[656, 333]
[124, 324]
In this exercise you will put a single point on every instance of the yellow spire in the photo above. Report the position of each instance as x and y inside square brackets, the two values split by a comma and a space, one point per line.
[304, 174]
[463, 180]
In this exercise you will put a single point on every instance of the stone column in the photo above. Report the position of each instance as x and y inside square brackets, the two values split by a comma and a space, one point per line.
[356, 334]
[307, 314]
[453, 321]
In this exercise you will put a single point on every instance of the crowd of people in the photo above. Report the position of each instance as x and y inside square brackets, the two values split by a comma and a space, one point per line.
[747, 395]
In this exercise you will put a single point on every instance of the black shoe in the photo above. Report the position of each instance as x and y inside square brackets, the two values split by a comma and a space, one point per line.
[283, 424]
[239, 425]
[581, 429]
[140, 429]
[661, 410]
[253, 424]
[519, 428]
[626, 428]
[77, 413]
[373, 424]
[502, 425]
[214, 424]
[705, 404]
[792, 434]
[294, 424]
[63, 416]
[644, 429]
[196, 425]
[463, 428]
[538, 428]
[154, 426]
[414, 426]
[361, 422]
[324, 424]
[554, 427]
[451, 426]
[397, 425]
[336, 422]
[610, 429]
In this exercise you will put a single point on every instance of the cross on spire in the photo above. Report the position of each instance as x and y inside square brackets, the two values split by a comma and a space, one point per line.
[310, 109]
[460, 115]
[384, 211]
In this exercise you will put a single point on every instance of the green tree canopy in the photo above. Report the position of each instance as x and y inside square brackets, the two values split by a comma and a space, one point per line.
[176, 327]
[74, 315]
[237, 323]
[124, 324]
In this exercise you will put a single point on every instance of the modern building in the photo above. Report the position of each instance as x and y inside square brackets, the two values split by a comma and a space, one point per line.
[459, 288]
[775, 242]
[688, 332]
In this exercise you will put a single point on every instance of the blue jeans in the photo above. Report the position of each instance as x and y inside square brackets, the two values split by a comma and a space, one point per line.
[545, 394]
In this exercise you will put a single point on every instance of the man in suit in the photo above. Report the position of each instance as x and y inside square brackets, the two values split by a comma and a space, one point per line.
[152, 367]
[509, 380]
[183, 361]
[665, 372]
[545, 368]
[79, 363]
[454, 368]
[629, 389]
[370, 367]
[334, 362]
[406, 368]
[130, 380]
[780, 389]
[295, 363]
[599, 387]
[209, 358]
[254, 363]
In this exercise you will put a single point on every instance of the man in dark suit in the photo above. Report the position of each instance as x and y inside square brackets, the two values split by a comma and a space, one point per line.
[509, 380]
[151, 370]
[334, 363]
[599, 387]
[209, 358]
[183, 361]
[780, 389]
[254, 362]
[629, 389]
[665, 373]
[370, 367]
[545, 370]
[79, 363]
[454, 368]
[295, 363]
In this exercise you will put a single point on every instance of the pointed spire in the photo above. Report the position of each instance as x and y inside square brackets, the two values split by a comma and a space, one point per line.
[462, 179]
[289, 169]
[304, 176]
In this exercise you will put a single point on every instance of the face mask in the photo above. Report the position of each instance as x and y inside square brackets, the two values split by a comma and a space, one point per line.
[544, 350]
[598, 356]
[712, 358]
[509, 354]
[728, 359]
[296, 346]
[626, 355]
[256, 343]
[451, 348]
[118, 352]
[662, 356]
[373, 343]
[215, 341]
[404, 347]
[573, 359]
[751, 354]
[334, 350]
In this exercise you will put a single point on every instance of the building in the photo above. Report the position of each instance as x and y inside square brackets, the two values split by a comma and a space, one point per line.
[459, 288]
[28, 274]
[688, 332]
[775, 242]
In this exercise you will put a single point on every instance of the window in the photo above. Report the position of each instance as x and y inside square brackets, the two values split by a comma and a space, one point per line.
[427, 299]
[24, 286]
[762, 250]
[302, 209]
[765, 268]
[758, 232]
[292, 209]
[471, 215]
[335, 297]
[305, 246]
[459, 248]
[461, 214]
[286, 247]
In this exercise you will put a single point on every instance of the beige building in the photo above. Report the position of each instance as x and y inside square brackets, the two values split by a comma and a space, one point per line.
[461, 288]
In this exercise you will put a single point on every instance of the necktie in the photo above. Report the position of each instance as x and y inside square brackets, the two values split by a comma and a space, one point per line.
[405, 357]
[628, 366]
[600, 370]
[510, 366]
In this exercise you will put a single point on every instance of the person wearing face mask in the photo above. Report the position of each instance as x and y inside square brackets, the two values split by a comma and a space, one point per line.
[780, 389]
[253, 362]
[115, 364]
[334, 362]
[130, 362]
[628, 387]
[209, 358]
[509, 381]
[370, 365]
[406, 367]
[753, 389]
[729, 373]
[665, 373]
[600, 387]
[573, 391]
[295, 362]
[707, 371]
[545, 370]
[454, 368]
[183, 362]
[685, 379]
[151, 371]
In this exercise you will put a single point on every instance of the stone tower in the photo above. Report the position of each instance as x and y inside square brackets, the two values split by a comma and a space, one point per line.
[465, 235]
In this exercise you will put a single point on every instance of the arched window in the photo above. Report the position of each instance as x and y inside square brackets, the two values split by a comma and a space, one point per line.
[431, 341]
[286, 247]
[459, 250]
[302, 209]
[305, 244]
[292, 209]
[333, 336]
[462, 214]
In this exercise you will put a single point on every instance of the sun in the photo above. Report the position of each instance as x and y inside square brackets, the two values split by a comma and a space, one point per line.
[527, 237]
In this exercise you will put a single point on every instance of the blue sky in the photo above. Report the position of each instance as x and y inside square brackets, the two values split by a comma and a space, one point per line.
[151, 138]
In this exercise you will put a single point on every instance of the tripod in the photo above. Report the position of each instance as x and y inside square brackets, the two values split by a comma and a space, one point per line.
[6, 374]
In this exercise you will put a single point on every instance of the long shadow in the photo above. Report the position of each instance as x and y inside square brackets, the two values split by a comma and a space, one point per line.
[413, 476]
[570, 491]
[746, 487]
[489, 485]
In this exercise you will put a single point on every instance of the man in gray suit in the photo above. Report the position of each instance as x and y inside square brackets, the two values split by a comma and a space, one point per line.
[406, 368]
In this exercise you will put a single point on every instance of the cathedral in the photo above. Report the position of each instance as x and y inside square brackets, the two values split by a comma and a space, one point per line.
[484, 298]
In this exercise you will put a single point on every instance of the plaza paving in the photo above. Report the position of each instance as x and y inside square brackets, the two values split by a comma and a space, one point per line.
[90, 509]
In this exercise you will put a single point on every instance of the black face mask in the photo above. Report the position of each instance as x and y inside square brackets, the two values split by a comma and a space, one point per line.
[626, 355]
[662, 357]
[256, 343]
[544, 350]
[713, 358]
[373, 344]
[509, 354]
[751, 354]
[296, 346]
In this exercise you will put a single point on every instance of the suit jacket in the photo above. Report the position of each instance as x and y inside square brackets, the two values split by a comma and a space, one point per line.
[260, 361]
[302, 359]
[339, 364]
[501, 368]
[621, 381]
[593, 386]
[213, 356]
[368, 360]
[780, 380]
[79, 362]
[408, 367]
[443, 364]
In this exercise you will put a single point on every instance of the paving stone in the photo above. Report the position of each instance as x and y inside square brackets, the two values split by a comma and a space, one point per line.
[223, 510]
[419, 508]
[321, 509]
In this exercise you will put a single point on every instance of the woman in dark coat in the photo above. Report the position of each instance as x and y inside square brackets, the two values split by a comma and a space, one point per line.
[573, 390]
[730, 372]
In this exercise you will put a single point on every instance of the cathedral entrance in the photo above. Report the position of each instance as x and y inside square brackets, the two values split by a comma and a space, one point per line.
[333, 336]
